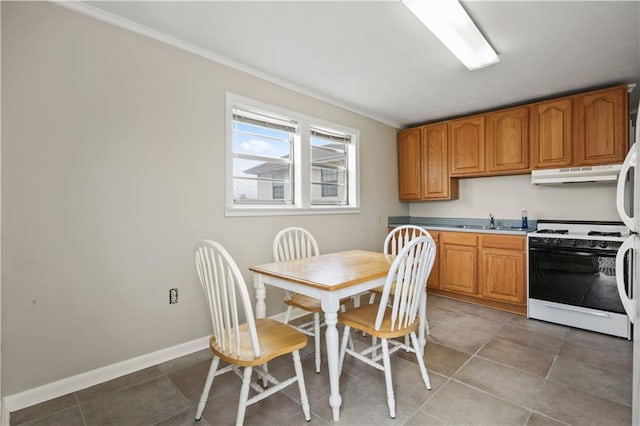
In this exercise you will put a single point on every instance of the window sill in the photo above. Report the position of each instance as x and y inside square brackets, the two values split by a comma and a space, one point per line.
[289, 211]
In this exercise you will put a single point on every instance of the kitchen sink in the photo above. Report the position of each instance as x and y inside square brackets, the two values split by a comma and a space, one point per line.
[495, 228]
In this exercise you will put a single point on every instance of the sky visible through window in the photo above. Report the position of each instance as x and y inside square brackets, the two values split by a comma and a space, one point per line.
[254, 146]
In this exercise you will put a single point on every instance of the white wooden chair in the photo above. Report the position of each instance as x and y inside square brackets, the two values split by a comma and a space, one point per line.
[250, 344]
[296, 243]
[396, 315]
[394, 242]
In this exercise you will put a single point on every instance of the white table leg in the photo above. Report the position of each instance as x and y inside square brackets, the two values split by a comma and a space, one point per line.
[261, 294]
[330, 309]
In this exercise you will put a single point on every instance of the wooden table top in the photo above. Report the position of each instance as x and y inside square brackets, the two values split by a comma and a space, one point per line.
[330, 271]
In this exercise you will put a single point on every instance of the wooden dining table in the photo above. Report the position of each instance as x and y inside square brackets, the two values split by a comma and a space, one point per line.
[329, 278]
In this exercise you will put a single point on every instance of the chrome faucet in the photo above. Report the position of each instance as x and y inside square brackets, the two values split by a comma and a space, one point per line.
[492, 221]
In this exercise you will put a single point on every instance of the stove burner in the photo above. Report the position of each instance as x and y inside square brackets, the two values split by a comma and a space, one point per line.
[553, 231]
[604, 234]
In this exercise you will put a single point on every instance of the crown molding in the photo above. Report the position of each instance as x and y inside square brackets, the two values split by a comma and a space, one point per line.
[102, 15]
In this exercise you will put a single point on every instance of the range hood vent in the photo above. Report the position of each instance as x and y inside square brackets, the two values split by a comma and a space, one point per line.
[586, 174]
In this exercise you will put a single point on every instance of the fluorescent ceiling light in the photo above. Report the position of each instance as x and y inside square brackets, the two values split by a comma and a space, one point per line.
[455, 29]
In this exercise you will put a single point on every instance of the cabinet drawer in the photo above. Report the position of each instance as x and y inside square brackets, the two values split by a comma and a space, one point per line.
[459, 238]
[508, 242]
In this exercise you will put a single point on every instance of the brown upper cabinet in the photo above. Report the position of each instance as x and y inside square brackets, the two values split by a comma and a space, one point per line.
[600, 126]
[508, 140]
[423, 164]
[552, 133]
[410, 164]
[580, 130]
[467, 146]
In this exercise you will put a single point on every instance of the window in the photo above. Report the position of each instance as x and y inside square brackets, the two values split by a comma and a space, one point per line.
[282, 162]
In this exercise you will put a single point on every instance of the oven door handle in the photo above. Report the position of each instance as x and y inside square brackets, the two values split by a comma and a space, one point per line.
[628, 303]
[577, 252]
[572, 309]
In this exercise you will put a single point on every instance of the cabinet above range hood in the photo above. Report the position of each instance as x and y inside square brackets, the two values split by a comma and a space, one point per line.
[587, 174]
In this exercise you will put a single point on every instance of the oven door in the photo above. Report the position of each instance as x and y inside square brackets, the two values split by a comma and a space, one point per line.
[576, 277]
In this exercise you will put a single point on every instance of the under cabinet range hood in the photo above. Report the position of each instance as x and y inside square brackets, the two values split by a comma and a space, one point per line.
[585, 174]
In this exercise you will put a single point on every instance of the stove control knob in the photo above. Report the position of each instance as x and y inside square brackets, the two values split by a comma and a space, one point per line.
[603, 244]
[574, 243]
[546, 241]
[592, 243]
[556, 241]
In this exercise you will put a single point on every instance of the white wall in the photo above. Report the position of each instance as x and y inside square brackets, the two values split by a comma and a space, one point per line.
[506, 196]
[112, 168]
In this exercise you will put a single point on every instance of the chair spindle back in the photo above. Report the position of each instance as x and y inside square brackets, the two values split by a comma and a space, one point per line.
[225, 290]
[409, 271]
[400, 236]
[294, 243]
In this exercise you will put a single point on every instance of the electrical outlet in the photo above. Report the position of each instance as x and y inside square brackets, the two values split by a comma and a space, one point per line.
[173, 296]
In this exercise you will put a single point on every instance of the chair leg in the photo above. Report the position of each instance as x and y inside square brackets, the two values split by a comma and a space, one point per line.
[372, 298]
[316, 332]
[244, 395]
[343, 346]
[265, 380]
[423, 369]
[304, 400]
[287, 315]
[207, 387]
[374, 341]
[391, 401]
[426, 327]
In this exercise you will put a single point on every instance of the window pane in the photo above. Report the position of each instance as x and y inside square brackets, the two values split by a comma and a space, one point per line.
[329, 164]
[262, 151]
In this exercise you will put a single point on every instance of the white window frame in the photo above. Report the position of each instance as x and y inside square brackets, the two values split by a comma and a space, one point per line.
[301, 164]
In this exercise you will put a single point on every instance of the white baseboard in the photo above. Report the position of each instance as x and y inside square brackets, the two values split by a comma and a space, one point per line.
[99, 375]
[4, 413]
[109, 372]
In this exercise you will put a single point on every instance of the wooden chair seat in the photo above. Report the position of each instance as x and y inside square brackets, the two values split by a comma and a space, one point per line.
[364, 318]
[275, 339]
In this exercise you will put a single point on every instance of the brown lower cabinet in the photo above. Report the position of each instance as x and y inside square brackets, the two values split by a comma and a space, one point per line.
[482, 268]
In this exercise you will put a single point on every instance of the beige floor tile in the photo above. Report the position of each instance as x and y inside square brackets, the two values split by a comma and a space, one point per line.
[457, 404]
[578, 408]
[530, 338]
[457, 338]
[185, 361]
[439, 358]
[508, 383]
[69, 417]
[541, 327]
[185, 418]
[477, 324]
[98, 391]
[423, 419]
[484, 312]
[145, 403]
[593, 380]
[43, 409]
[601, 357]
[599, 340]
[524, 358]
[540, 420]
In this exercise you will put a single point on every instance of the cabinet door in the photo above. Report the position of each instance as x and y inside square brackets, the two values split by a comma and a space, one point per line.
[551, 132]
[458, 268]
[466, 146]
[409, 164]
[502, 275]
[601, 127]
[508, 140]
[436, 181]
[433, 281]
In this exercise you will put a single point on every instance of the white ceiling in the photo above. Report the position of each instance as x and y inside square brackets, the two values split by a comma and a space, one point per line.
[376, 58]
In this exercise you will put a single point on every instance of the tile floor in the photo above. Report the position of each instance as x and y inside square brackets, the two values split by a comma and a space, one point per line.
[487, 368]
